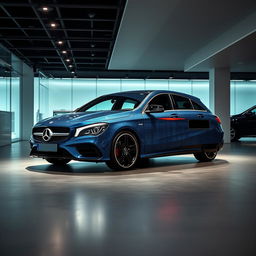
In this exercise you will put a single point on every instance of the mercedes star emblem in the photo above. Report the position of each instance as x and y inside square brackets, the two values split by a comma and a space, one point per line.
[47, 134]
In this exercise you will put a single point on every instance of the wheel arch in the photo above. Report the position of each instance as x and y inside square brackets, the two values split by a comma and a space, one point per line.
[128, 129]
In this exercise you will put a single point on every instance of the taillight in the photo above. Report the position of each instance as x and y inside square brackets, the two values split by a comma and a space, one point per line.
[218, 119]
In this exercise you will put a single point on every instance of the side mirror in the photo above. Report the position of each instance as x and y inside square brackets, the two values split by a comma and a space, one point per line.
[153, 108]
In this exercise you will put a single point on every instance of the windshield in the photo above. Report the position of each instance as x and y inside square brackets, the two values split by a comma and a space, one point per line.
[110, 103]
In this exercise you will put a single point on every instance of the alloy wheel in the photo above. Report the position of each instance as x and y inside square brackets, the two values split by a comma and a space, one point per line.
[232, 133]
[211, 155]
[126, 150]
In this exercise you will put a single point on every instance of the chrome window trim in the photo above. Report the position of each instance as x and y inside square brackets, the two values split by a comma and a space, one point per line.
[199, 105]
[185, 98]
[177, 109]
[145, 107]
[172, 103]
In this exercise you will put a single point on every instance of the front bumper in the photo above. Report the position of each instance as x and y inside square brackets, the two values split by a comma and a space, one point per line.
[84, 148]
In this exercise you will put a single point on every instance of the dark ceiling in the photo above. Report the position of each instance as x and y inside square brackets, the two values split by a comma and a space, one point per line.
[88, 31]
[61, 38]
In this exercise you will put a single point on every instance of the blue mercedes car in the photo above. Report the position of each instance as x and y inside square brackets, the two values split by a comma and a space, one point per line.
[125, 128]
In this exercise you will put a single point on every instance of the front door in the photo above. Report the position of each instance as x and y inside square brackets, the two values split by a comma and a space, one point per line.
[162, 129]
[247, 124]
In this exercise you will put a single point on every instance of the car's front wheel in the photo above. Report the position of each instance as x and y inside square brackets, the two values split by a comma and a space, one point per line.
[124, 151]
[205, 156]
[233, 134]
[57, 161]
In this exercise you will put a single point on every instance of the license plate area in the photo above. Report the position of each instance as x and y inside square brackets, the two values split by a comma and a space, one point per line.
[199, 124]
[47, 147]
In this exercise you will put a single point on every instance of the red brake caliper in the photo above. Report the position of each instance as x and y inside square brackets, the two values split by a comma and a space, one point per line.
[118, 152]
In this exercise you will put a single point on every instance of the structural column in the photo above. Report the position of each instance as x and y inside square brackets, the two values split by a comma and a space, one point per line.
[27, 102]
[220, 97]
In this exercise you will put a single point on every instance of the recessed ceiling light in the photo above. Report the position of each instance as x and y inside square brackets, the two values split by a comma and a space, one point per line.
[64, 52]
[67, 60]
[45, 9]
[72, 72]
[70, 66]
[92, 54]
[53, 25]
[91, 15]
[92, 45]
[60, 42]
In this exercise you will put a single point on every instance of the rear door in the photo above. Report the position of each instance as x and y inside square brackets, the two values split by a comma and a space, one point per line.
[196, 121]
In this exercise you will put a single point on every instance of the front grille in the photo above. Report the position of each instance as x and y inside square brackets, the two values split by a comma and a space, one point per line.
[57, 131]
[52, 140]
[54, 129]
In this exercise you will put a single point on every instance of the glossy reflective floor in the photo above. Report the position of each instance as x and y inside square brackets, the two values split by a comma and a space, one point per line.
[176, 206]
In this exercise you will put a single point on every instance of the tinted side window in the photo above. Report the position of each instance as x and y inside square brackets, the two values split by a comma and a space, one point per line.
[181, 102]
[129, 104]
[103, 105]
[197, 106]
[253, 111]
[162, 99]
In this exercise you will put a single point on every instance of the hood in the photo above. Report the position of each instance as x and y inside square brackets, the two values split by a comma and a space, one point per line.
[236, 116]
[83, 118]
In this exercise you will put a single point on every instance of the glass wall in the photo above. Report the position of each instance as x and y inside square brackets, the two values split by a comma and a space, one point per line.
[5, 93]
[243, 95]
[15, 105]
[10, 75]
[10, 100]
[41, 98]
[64, 95]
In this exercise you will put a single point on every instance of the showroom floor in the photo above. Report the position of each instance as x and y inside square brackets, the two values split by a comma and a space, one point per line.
[174, 207]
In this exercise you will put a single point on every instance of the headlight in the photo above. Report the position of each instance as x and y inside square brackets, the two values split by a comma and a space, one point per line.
[92, 129]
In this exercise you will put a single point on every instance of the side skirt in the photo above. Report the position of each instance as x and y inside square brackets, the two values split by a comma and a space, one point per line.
[187, 150]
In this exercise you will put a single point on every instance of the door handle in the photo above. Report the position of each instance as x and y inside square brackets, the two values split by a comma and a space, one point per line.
[174, 115]
[200, 115]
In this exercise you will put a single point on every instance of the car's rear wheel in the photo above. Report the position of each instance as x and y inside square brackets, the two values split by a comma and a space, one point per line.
[124, 151]
[57, 161]
[205, 156]
[233, 134]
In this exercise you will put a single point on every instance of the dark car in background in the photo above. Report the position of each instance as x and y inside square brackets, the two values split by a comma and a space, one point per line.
[244, 124]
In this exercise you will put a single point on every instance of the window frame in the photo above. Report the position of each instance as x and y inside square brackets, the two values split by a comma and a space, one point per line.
[171, 102]
[182, 109]
[81, 109]
[193, 109]
[192, 102]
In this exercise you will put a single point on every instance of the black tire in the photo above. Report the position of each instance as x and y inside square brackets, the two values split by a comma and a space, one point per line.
[124, 151]
[205, 156]
[234, 134]
[57, 161]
